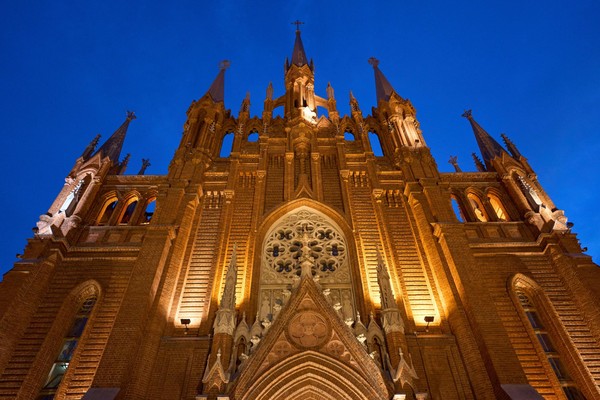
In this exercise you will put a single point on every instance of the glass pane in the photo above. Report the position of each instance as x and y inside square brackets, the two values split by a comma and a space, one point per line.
[77, 328]
[87, 306]
[66, 353]
[56, 374]
[534, 320]
[545, 342]
[558, 368]
[573, 393]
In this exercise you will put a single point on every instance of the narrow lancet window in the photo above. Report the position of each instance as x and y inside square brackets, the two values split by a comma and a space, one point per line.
[149, 212]
[253, 137]
[498, 208]
[226, 145]
[375, 144]
[107, 212]
[543, 337]
[477, 207]
[126, 217]
[69, 345]
[457, 209]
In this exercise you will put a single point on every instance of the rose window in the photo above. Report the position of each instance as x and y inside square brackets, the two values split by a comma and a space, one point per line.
[285, 244]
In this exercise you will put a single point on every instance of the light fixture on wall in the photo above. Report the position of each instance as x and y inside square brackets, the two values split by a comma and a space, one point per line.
[185, 322]
[429, 319]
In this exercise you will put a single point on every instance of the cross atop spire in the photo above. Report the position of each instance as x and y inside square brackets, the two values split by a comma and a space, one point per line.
[297, 23]
[224, 64]
[298, 54]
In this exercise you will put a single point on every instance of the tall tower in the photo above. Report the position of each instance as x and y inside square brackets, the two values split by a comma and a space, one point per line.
[287, 258]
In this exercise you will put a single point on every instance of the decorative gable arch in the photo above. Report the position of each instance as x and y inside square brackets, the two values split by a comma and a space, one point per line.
[313, 374]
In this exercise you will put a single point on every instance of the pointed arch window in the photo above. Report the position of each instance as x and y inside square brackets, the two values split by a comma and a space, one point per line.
[545, 340]
[457, 209]
[498, 208]
[107, 211]
[253, 137]
[69, 345]
[226, 145]
[349, 136]
[149, 211]
[128, 213]
[478, 208]
[375, 144]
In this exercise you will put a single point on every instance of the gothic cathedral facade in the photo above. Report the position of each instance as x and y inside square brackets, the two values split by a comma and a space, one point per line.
[302, 264]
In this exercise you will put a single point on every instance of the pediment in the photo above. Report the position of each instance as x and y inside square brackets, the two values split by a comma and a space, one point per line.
[309, 329]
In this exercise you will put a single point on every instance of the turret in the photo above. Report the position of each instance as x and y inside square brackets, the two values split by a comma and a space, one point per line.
[203, 131]
[300, 83]
[395, 112]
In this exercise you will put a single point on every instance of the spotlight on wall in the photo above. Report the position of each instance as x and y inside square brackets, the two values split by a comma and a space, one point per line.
[186, 322]
[429, 319]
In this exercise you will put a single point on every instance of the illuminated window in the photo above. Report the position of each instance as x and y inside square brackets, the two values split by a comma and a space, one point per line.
[375, 144]
[226, 145]
[477, 207]
[107, 212]
[543, 337]
[349, 136]
[126, 217]
[498, 208]
[457, 209]
[253, 137]
[69, 344]
[149, 212]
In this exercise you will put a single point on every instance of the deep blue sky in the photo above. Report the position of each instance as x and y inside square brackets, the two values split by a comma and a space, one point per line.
[70, 70]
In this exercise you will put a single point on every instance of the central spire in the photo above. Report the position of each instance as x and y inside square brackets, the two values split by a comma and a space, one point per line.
[298, 55]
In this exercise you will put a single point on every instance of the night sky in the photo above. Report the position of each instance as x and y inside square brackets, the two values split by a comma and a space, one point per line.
[70, 70]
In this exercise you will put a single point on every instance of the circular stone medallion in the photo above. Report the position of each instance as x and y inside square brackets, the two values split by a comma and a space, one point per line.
[308, 330]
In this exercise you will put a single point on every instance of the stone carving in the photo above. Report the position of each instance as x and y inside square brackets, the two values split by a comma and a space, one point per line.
[308, 330]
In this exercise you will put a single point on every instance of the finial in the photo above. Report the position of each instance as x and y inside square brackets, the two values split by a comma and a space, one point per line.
[454, 161]
[374, 62]
[297, 23]
[467, 114]
[145, 164]
[224, 64]
[130, 115]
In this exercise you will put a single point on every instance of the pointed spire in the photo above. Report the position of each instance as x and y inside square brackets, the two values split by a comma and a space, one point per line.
[489, 147]
[217, 89]
[511, 146]
[123, 164]
[90, 147]
[478, 163]
[298, 54]
[228, 298]
[145, 164]
[112, 147]
[383, 280]
[383, 88]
